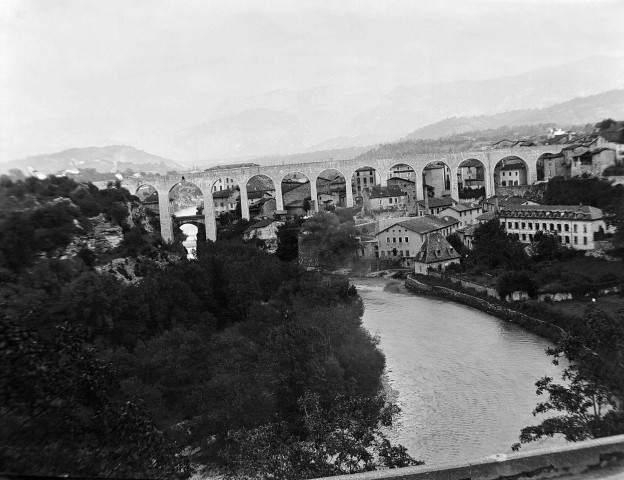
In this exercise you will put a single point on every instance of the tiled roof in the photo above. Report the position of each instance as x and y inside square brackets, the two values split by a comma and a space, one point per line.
[262, 223]
[582, 212]
[401, 179]
[436, 249]
[223, 193]
[385, 192]
[464, 207]
[486, 216]
[438, 202]
[513, 166]
[468, 230]
[422, 225]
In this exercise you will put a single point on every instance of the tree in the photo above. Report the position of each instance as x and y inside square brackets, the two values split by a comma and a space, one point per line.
[546, 246]
[510, 282]
[594, 372]
[494, 248]
[60, 415]
[288, 241]
[345, 438]
[456, 243]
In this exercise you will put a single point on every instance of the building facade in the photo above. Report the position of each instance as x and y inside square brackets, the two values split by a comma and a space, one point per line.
[574, 225]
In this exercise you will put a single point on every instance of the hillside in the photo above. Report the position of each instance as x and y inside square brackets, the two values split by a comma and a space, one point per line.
[287, 121]
[103, 159]
[579, 110]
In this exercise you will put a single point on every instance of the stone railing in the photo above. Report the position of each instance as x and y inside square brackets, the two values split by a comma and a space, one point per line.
[588, 457]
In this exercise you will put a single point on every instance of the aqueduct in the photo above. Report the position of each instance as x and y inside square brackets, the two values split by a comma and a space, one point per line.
[241, 175]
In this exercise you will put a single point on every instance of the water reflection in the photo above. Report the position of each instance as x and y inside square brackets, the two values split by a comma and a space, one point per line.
[465, 380]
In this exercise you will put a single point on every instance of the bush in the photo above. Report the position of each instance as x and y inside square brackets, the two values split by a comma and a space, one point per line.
[516, 281]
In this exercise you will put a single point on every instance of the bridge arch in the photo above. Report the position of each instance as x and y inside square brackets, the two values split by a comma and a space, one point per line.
[331, 188]
[226, 199]
[297, 193]
[437, 180]
[472, 179]
[261, 195]
[511, 171]
[363, 179]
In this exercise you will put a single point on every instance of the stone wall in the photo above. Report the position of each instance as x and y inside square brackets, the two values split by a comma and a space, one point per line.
[588, 457]
[518, 190]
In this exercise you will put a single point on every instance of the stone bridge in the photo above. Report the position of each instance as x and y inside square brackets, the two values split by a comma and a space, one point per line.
[312, 170]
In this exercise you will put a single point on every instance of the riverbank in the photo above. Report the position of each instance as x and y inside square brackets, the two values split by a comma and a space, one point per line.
[542, 328]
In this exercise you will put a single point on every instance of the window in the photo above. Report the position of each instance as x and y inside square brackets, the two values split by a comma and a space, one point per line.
[567, 239]
[543, 226]
[552, 226]
[400, 239]
[558, 227]
[584, 228]
[523, 225]
[567, 227]
[584, 240]
[530, 226]
[508, 224]
[524, 237]
[393, 239]
[387, 239]
[516, 225]
[575, 240]
[407, 253]
[406, 239]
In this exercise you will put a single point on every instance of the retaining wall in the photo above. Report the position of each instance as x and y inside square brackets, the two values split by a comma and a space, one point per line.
[540, 327]
[574, 458]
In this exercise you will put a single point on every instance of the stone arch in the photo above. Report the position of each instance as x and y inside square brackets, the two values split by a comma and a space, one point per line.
[296, 193]
[331, 188]
[472, 179]
[184, 197]
[511, 171]
[226, 198]
[261, 195]
[436, 179]
[362, 181]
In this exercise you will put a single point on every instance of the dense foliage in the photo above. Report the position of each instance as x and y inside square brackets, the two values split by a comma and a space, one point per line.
[586, 401]
[494, 248]
[332, 241]
[43, 216]
[207, 349]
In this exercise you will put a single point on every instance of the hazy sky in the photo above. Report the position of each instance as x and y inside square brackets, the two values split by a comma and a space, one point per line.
[148, 63]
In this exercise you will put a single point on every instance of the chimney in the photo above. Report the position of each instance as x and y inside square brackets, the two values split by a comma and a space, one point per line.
[426, 201]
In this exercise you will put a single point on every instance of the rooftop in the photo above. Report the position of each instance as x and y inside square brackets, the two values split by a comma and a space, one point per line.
[436, 249]
[583, 212]
[426, 224]
[438, 202]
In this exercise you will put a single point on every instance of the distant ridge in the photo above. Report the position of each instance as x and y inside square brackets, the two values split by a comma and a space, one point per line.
[103, 159]
[580, 110]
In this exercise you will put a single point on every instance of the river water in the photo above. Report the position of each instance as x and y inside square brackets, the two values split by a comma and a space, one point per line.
[465, 380]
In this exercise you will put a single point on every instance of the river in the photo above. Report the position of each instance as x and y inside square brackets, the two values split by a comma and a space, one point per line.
[465, 380]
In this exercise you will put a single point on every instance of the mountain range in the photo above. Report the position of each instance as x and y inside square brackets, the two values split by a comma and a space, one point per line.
[115, 158]
[581, 110]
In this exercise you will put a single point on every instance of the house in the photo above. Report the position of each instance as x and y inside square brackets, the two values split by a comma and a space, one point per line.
[363, 178]
[436, 253]
[486, 217]
[470, 175]
[294, 195]
[265, 230]
[593, 162]
[331, 191]
[574, 225]
[510, 175]
[402, 171]
[433, 206]
[464, 212]
[438, 177]
[466, 235]
[404, 238]
[225, 200]
[385, 198]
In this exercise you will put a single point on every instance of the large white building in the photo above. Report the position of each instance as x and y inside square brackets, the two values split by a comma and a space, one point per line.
[575, 225]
